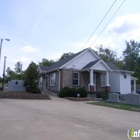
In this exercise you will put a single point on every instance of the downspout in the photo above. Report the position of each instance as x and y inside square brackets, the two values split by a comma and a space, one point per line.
[89, 82]
[58, 80]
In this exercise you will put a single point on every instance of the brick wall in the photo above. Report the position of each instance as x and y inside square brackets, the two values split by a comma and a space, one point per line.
[85, 79]
[67, 78]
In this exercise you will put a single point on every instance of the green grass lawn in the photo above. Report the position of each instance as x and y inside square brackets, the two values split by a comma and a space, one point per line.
[117, 105]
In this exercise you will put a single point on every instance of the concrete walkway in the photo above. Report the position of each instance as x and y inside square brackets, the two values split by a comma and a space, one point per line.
[61, 119]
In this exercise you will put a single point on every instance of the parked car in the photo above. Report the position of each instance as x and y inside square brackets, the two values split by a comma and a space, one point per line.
[138, 91]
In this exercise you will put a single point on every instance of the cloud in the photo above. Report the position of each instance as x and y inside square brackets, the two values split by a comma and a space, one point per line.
[28, 49]
[106, 42]
[55, 55]
[126, 27]
[22, 59]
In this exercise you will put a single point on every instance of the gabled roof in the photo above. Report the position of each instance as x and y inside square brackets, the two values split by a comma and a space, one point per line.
[62, 62]
[65, 61]
[89, 65]
[109, 64]
[93, 64]
[59, 63]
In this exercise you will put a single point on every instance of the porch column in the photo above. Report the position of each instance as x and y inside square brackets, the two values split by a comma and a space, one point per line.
[134, 86]
[91, 81]
[107, 87]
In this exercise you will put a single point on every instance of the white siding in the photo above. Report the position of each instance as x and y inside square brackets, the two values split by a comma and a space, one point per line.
[120, 84]
[81, 61]
[125, 83]
[114, 81]
[101, 67]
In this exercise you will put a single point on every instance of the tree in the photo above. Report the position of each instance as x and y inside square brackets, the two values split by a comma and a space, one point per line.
[65, 55]
[31, 78]
[32, 64]
[131, 55]
[46, 62]
[107, 54]
[18, 68]
[18, 74]
[10, 75]
[131, 58]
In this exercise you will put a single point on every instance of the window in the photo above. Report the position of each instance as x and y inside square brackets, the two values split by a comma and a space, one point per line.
[102, 80]
[75, 79]
[40, 82]
[52, 79]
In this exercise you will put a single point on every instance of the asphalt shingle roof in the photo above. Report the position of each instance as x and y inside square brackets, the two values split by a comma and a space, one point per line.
[44, 68]
[109, 64]
[89, 65]
[60, 63]
[64, 61]
[112, 66]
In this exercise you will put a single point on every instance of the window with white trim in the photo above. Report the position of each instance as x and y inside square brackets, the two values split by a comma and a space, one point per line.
[102, 80]
[52, 79]
[75, 79]
[40, 82]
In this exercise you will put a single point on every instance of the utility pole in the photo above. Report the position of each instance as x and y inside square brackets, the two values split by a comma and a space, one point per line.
[4, 72]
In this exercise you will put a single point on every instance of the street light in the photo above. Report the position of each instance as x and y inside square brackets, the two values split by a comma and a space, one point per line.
[4, 61]
[1, 45]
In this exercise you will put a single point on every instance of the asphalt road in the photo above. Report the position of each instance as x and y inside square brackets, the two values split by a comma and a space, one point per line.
[61, 119]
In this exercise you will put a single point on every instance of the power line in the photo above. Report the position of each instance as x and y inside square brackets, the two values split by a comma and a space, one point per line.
[108, 23]
[99, 23]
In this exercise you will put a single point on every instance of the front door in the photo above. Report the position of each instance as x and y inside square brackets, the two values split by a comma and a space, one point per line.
[94, 81]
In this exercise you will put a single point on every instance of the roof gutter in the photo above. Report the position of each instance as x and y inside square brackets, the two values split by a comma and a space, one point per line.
[124, 71]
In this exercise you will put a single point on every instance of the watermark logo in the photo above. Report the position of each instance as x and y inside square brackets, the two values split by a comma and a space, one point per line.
[132, 133]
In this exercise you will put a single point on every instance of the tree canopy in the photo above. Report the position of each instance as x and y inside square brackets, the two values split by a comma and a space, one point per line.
[46, 62]
[106, 54]
[131, 58]
[65, 55]
[18, 68]
[31, 78]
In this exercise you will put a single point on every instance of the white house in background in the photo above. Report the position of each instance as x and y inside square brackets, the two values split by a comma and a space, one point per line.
[85, 68]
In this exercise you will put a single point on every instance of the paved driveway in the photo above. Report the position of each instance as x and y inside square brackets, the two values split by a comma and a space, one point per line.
[61, 119]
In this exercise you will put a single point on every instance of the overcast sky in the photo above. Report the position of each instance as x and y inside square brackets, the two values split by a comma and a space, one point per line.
[47, 28]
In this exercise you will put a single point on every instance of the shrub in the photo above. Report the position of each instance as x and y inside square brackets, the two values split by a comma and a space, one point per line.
[82, 91]
[72, 92]
[36, 90]
[28, 89]
[0, 88]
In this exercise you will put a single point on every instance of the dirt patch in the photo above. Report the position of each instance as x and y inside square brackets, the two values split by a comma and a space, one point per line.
[23, 95]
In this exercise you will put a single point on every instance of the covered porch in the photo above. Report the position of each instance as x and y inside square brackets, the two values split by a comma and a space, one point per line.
[98, 72]
[99, 81]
